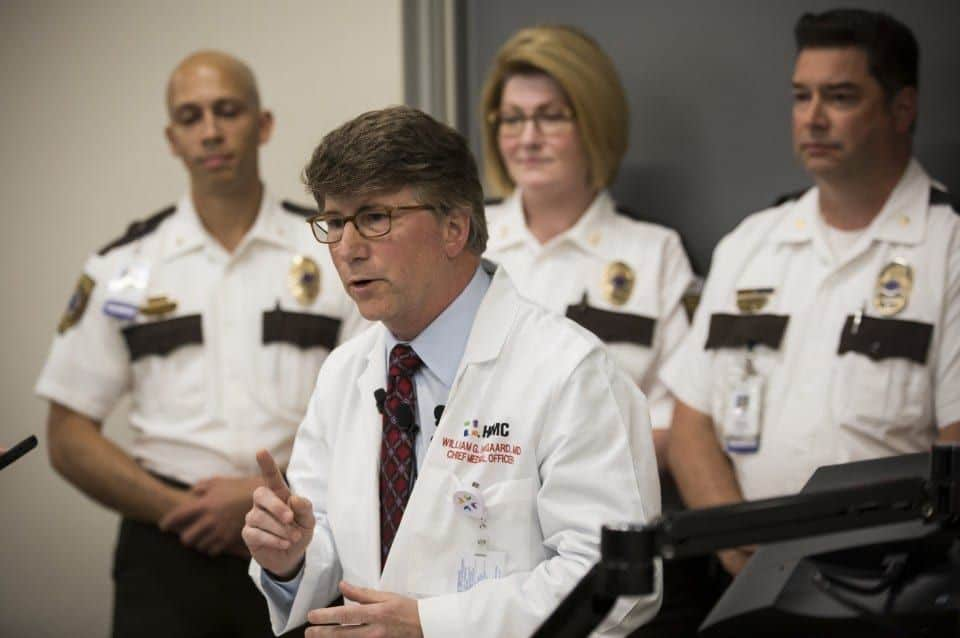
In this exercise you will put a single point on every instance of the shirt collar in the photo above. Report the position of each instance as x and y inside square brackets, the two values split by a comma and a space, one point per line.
[269, 225]
[187, 232]
[590, 231]
[441, 344]
[586, 233]
[902, 218]
[511, 227]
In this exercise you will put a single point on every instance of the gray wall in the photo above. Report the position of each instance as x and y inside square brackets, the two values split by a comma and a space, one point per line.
[709, 90]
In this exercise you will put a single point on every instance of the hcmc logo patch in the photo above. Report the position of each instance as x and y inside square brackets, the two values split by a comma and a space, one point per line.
[472, 429]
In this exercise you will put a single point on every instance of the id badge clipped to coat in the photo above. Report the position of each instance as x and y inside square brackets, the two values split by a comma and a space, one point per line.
[481, 564]
[741, 427]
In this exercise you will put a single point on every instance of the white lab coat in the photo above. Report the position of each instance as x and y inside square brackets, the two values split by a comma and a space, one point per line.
[582, 455]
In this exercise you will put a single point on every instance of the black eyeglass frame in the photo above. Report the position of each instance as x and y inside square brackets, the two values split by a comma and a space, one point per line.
[390, 211]
[566, 115]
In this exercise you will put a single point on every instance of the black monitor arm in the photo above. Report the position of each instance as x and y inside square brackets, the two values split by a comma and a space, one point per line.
[628, 551]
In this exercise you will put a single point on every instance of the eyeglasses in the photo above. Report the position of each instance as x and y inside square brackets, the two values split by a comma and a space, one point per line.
[370, 222]
[548, 123]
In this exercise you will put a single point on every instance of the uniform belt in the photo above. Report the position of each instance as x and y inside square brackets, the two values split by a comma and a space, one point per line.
[180, 485]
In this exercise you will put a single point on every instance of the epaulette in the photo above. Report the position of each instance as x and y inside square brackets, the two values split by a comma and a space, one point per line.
[627, 212]
[297, 209]
[790, 197]
[492, 201]
[138, 229]
[943, 198]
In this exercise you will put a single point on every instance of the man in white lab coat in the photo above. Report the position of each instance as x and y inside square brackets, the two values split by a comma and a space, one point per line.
[458, 459]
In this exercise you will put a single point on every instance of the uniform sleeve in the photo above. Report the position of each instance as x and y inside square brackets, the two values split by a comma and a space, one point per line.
[688, 374]
[88, 367]
[947, 382]
[307, 474]
[589, 477]
[675, 277]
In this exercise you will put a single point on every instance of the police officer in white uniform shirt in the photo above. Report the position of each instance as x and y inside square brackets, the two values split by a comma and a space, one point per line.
[214, 315]
[555, 131]
[457, 459]
[829, 328]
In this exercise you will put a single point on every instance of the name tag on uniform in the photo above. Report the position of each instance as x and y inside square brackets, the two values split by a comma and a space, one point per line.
[126, 292]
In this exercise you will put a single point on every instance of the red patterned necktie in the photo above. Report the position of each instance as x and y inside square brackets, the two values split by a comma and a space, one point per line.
[398, 462]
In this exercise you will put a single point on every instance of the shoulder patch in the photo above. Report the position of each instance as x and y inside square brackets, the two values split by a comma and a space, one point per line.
[943, 198]
[789, 197]
[138, 229]
[627, 212]
[297, 209]
[492, 201]
[77, 304]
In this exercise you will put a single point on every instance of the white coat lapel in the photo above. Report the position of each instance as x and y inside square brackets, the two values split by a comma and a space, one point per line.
[363, 437]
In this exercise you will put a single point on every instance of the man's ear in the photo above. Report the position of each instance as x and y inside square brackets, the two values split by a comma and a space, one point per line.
[456, 232]
[904, 109]
[265, 126]
[171, 142]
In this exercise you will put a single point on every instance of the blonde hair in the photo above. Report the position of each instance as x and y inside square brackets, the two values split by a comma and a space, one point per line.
[589, 79]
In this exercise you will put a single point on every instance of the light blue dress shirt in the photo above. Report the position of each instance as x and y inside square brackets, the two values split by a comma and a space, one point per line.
[440, 346]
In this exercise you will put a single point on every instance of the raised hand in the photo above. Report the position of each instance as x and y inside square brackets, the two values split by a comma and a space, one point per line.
[280, 524]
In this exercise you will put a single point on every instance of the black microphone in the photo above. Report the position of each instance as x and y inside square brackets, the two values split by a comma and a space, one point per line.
[380, 396]
[405, 418]
[437, 413]
[404, 414]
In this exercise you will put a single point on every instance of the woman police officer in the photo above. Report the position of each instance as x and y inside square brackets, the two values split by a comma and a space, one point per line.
[555, 131]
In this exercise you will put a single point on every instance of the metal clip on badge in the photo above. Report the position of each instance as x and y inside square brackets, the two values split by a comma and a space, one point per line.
[470, 503]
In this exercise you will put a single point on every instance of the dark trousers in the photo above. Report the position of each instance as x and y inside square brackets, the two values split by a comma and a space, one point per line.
[691, 586]
[166, 590]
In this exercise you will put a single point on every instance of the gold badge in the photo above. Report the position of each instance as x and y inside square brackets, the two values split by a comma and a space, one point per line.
[77, 304]
[158, 305]
[894, 286]
[304, 279]
[618, 283]
[752, 300]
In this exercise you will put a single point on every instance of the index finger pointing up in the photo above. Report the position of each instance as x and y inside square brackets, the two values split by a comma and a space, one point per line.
[272, 476]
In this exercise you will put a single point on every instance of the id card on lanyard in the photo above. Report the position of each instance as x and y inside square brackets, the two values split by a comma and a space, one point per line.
[741, 425]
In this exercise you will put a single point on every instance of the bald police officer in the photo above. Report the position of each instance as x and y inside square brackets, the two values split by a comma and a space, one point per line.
[214, 315]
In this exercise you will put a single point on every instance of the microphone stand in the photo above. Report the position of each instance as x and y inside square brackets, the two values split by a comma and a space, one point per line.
[627, 551]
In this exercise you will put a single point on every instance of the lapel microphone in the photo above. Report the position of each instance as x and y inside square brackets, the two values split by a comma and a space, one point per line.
[437, 413]
[380, 396]
[404, 414]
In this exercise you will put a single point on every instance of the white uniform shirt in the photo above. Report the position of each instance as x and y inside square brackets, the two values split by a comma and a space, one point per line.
[820, 407]
[649, 322]
[230, 369]
[553, 434]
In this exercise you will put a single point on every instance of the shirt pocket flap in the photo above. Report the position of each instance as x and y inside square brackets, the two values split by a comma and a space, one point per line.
[613, 327]
[740, 331]
[881, 339]
[162, 337]
[300, 329]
